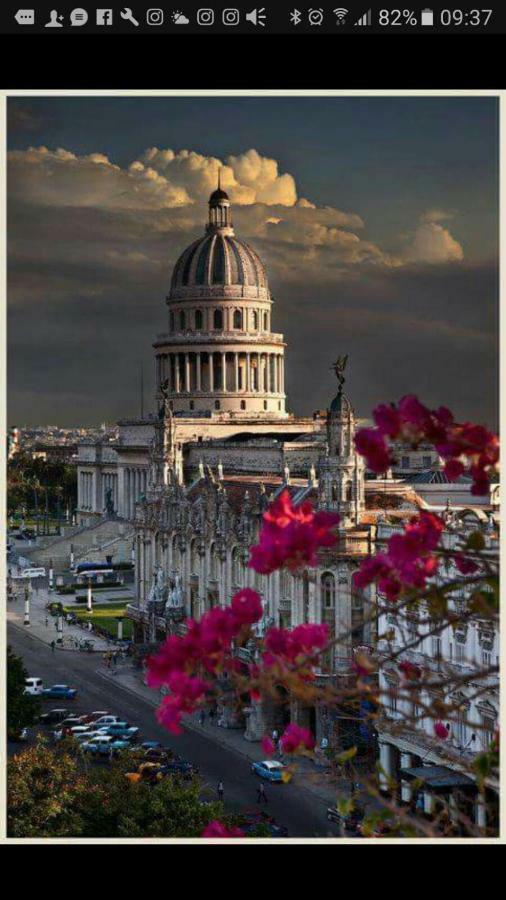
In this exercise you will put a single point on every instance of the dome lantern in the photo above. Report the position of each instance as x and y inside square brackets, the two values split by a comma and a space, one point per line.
[219, 209]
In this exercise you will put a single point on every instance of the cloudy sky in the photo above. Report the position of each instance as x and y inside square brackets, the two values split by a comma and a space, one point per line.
[377, 220]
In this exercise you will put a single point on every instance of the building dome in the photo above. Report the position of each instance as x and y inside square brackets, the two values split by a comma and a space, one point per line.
[218, 259]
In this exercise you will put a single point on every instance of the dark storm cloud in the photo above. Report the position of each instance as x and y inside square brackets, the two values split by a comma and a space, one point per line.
[89, 269]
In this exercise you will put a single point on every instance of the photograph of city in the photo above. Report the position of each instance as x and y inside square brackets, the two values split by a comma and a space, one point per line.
[252, 473]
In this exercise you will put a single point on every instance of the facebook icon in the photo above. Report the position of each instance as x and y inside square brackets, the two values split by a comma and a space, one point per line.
[104, 16]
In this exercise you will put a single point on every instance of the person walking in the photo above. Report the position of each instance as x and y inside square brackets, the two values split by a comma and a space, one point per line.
[47, 621]
[202, 717]
[211, 715]
[275, 737]
[261, 795]
[221, 791]
[53, 645]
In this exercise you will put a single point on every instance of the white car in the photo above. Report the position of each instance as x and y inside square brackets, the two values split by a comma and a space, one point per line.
[85, 736]
[104, 721]
[34, 686]
[38, 572]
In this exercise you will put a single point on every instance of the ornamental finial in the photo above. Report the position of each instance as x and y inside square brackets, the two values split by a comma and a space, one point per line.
[338, 367]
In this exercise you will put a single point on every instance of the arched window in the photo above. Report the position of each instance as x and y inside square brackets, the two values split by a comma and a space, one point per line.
[199, 319]
[328, 590]
[254, 320]
[182, 320]
[349, 492]
[237, 567]
[218, 319]
[237, 318]
[334, 493]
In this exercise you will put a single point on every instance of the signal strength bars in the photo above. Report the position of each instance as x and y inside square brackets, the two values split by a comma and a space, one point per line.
[366, 19]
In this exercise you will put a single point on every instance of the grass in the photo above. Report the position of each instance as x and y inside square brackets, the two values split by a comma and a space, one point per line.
[106, 616]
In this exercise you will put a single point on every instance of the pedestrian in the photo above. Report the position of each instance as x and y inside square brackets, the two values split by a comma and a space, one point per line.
[261, 795]
[221, 791]
[53, 645]
[211, 716]
[202, 717]
[115, 658]
[47, 621]
[275, 738]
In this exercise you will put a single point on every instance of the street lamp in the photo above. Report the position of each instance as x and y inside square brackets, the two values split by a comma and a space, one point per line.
[26, 620]
[71, 557]
[51, 575]
[89, 603]
[59, 639]
[120, 628]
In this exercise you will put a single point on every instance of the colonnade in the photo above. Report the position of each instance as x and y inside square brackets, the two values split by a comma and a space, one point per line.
[232, 372]
[135, 481]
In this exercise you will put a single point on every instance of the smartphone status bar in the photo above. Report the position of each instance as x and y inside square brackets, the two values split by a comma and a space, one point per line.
[194, 19]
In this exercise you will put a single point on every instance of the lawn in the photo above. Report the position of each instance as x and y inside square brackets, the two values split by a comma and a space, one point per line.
[105, 616]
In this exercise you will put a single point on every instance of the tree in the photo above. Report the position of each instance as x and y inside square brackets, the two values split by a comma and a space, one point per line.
[22, 709]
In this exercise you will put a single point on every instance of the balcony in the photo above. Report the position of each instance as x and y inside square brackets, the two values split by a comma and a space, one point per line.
[214, 337]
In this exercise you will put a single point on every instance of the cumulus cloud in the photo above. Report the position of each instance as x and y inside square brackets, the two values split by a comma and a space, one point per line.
[432, 243]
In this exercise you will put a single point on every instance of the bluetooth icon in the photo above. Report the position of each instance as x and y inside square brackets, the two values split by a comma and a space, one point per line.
[295, 17]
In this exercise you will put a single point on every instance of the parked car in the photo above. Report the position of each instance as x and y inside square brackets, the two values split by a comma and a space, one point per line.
[104, 745]
[37, 572]
[149, 771]
[105, 720]
[348, 822]
[65, 727]
[119, 729]
[272, 770]
[251, 819]
[179, 767]
[34, 686]
[93, 716]
[54, 716]
[59, 690]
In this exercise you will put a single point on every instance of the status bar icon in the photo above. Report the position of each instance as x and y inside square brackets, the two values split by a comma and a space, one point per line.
[427, 17]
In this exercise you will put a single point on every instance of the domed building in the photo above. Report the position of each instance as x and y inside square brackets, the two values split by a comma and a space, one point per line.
[220, 354]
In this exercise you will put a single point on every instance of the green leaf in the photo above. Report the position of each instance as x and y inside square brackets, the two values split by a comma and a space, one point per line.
[346, 756]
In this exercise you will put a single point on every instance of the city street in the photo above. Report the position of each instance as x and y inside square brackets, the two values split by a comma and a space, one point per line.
[302, 813]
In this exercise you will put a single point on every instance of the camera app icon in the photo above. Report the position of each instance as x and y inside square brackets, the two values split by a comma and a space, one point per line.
[154, 17]
[205, 17]
[231, 16]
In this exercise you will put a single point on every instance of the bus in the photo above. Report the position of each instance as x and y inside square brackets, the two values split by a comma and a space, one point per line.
[92, 569]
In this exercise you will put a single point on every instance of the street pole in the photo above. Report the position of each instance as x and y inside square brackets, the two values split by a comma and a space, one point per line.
[27, 606]
[132, 554]
[90, 597]
[51, 575]
[120, 628]
[71, 557]
[59, 639]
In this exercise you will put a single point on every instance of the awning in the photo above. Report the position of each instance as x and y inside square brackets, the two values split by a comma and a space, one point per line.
[438, 778]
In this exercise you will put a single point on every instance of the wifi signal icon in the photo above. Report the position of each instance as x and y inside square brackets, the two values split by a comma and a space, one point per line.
[340, 14]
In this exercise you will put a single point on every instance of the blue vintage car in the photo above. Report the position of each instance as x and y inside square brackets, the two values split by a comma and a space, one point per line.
[271, 770]
[121, 730]
[59, 691]
[104, 745]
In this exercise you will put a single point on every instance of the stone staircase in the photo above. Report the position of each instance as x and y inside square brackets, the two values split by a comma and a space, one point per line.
[93, 543]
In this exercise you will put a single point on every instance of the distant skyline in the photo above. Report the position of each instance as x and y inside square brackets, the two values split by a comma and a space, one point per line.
[377, 219]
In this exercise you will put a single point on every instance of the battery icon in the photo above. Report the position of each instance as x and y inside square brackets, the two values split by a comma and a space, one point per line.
[427, 17]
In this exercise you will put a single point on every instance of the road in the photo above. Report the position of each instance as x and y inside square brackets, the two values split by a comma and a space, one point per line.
[303, 814]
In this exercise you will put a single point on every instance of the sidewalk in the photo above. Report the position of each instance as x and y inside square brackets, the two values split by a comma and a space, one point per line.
[47, 633]
[319, 782]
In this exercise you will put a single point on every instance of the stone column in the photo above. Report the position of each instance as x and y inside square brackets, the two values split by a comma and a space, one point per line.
[268, 373]
[187, 373]
[199, 372]
[248, 372]
[224, 371]
[178, 373]
[259, 372]
[236, 372]
[406, 791]
[211, 372]
[385, 762]
[282, 367]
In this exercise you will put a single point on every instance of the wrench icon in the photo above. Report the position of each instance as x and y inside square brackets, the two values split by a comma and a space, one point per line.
[128, 15]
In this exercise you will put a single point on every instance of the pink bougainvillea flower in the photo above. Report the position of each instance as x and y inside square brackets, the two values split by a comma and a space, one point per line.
[290, 646]
[410, 671]
[461, 445]
[372, 446]
[465, 565]
[296, 739]
[216, 829]
[247, 607]
[408, 561]
[268, 746]
[441, 731]
[291, 535]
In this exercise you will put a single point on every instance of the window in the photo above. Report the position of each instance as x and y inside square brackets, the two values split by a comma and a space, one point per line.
[237, 318]
[266, 321]
[254, 321]
[405, 462]
[182, 321]
[199, 319]
[217, 404]
[426, 462]
[486, 658]
[265, 404]
[328, 590]
[243, 404]
[218, 319]
[488, 731]
[460, 655]
[192, 404]
[436, 648]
